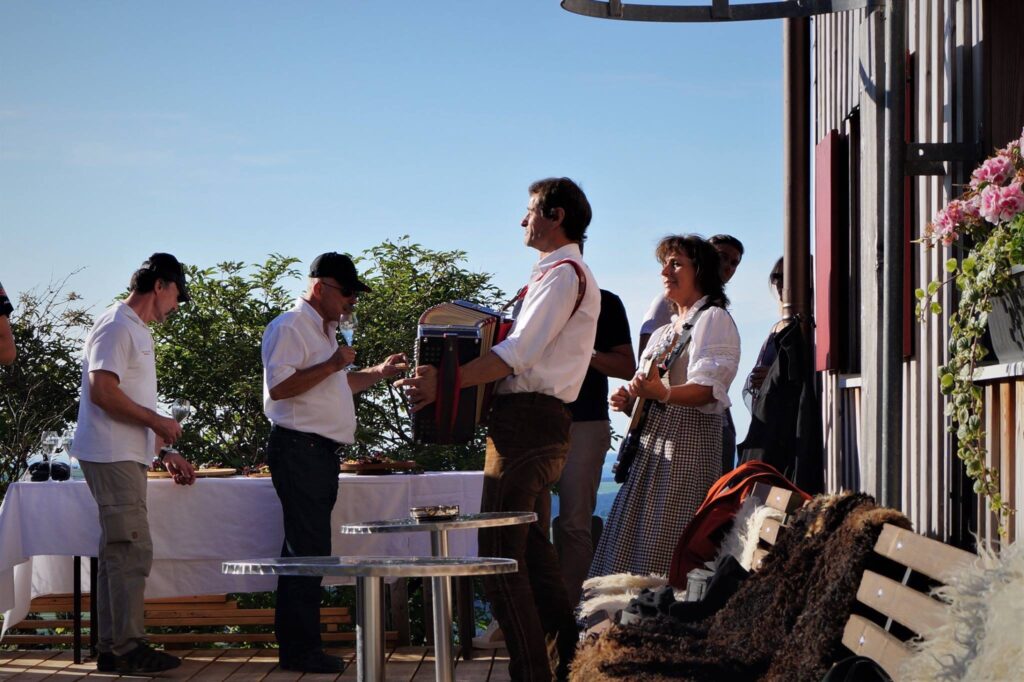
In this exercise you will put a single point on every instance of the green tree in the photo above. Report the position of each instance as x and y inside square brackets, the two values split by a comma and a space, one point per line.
[406, 279]
[209, 354]
[39, 392]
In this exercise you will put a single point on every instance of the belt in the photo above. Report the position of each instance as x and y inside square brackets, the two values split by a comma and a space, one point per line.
[315, 438]
[532, 398]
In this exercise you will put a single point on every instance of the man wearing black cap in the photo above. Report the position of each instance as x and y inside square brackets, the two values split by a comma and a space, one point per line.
[308, 398]
[118, 433]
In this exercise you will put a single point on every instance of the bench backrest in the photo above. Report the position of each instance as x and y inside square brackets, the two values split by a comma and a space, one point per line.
[781, 499]
[897, 601]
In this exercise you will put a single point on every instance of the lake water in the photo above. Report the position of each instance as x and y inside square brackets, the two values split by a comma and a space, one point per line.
[605, 494]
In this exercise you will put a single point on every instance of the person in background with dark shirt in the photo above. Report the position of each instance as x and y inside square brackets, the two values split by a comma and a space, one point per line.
[590, 435]
[7, 348]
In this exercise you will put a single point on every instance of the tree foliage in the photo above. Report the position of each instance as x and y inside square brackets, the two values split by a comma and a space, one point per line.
[209, 354]
[39, 392]
[406, 279]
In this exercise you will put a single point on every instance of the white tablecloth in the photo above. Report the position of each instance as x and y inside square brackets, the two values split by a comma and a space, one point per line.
[197, 527]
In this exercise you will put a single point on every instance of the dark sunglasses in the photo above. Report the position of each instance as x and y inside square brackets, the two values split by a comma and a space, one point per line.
[345, 291]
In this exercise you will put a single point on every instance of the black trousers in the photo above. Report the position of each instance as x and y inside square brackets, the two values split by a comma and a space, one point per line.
[304, 469]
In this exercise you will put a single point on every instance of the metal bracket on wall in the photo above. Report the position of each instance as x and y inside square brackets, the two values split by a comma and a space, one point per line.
[717, 10]
[930, 158]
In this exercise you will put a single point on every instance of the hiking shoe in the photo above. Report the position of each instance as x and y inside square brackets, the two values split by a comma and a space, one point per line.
[146, 659]
[317, 661]
[106, 662]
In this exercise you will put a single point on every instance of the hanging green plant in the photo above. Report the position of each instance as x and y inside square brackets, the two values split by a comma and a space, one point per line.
[987, 223]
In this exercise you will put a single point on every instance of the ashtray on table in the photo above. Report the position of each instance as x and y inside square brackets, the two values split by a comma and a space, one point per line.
[437, 512]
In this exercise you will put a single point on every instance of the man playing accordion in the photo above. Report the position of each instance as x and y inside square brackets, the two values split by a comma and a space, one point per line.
[539, 367]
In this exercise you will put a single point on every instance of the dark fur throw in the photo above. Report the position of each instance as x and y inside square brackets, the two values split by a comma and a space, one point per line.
[785, 623]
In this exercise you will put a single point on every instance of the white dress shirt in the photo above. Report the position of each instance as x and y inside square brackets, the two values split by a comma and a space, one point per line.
[712, 357]
[296, 340]
[119, 343]
[549, 347]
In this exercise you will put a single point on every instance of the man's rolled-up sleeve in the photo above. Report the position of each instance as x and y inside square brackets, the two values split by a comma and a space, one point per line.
[283, 354]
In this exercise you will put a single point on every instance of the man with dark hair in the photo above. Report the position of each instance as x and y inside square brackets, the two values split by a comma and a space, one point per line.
[8, 351]
[538, 368]
[308, 397]
[730, 250]
[118, 433]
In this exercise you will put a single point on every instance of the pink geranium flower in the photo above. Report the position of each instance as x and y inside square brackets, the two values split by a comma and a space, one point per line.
[996, 171]
[1001, 204]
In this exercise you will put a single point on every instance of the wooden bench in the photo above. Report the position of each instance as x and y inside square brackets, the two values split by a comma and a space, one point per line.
[195, 620]
[781, 499]
[901, 605]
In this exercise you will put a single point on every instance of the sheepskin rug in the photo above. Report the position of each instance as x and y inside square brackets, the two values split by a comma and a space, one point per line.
[612, 593]
[984, 636]
[785, 622]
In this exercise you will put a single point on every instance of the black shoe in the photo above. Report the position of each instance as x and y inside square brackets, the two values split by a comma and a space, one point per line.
[146, 659]
[314, 662]
[106, 662]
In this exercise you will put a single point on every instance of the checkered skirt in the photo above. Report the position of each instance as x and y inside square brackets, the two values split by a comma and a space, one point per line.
[679, 458]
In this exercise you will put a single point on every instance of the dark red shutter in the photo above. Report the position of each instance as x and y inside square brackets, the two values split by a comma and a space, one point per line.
[827, 269]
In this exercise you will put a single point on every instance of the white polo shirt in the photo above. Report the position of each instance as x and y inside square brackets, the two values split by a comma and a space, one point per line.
[549, 347]
[296, 340]
[120, 343]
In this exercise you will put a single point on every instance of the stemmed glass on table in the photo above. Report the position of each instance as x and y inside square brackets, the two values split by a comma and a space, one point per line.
[39, 462]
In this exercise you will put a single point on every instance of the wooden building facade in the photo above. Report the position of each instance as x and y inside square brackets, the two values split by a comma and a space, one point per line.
[965, 87]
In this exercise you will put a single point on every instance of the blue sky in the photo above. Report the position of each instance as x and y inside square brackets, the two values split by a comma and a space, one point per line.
[230, 130]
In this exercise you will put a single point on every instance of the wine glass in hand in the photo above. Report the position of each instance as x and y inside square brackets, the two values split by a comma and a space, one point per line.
[180, 410]
[347, 327]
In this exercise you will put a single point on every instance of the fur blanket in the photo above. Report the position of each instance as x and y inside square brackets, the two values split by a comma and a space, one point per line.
[784, 623]
[983, 638]
[609, 594]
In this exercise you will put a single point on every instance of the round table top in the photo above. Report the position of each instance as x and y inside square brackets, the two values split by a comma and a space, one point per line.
[372, 566]
[482, 520]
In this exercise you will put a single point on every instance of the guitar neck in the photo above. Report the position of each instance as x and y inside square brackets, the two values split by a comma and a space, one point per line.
[639, 404]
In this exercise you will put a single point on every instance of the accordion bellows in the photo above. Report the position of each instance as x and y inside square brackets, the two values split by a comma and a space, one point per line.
[449, 336]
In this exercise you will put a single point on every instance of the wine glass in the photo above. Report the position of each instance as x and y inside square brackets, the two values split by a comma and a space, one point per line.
[38, 462]
[180, 410]
[347, 326]
[60, 460]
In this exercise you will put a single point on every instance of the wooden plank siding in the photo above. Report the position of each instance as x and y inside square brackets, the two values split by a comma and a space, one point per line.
[944, 42]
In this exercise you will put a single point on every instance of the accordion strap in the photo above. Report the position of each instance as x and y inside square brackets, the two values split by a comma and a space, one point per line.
[521, 294]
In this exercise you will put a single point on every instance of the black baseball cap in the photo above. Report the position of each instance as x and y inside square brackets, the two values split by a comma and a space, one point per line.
[340, 267]
[169, 269]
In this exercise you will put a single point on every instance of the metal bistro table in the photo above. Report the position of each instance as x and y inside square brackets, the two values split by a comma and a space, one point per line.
[369, 573]
[441, 585]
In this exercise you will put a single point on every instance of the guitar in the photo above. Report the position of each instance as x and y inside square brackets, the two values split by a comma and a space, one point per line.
[631, 442]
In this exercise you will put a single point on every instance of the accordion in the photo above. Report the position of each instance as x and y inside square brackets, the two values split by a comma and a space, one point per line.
[449, 336]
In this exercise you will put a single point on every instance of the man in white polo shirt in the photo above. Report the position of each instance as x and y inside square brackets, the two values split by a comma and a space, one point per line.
[307, 396]
[118, 433]
[538, 368]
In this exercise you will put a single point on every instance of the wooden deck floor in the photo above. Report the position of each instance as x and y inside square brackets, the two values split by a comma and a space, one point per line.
[404, 664]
